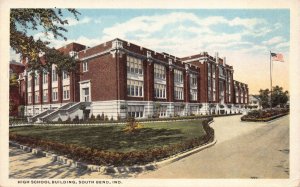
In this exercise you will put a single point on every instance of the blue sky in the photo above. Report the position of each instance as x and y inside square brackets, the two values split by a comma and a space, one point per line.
[244, 36]
[159, 28]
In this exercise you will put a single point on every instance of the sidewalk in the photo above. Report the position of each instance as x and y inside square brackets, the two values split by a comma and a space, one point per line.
[26, 165]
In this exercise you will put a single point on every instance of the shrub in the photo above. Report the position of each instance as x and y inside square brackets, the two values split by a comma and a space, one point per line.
[68, 120]
[106, 118]
[59, 120]
[263, 115]
[132, 126]
[76, 119]
[111, 118]
[92, 117]
[200, 106]
[98, 117]
[102, 117]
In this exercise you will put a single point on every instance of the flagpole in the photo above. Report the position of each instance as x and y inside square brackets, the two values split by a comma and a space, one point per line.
[271, 79]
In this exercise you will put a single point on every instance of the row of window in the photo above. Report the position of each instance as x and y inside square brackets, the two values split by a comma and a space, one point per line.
[159, 72]
[212, 69]
[160, 91]
[178, 93]
[66, 95]
[135, 88]
[65, 76]
[137, 111]
[134, 65]
[178, 76]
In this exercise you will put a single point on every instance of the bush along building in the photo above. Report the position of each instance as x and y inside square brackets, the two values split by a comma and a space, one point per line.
[118, 79]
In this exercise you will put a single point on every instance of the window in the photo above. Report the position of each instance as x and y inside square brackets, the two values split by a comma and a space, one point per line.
[160, 91]
[65, 75]
[45, 78]
[134, 65]
[193, 94]
[45, 95]
[209, 69]
[214, 83]
[177, 110]
[85, 66]
[193, 80]
[135, 88]
[159, 72]
[209, 89]
[213, 70]
[194, 109]
[29, 81]
[29, 97]
[36, 79]
[54, 75]
[54, 94]
[221, 71]
[178, 93]
[178, 76]
[37, 97]
[136, 111]
[162, 111]
[214, 95]
[66, 92]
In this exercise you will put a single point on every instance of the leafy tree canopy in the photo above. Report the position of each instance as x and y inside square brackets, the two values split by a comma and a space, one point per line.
[52, 22]
[279, 97]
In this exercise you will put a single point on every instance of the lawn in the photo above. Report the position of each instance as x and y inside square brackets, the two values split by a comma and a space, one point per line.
[113, 138]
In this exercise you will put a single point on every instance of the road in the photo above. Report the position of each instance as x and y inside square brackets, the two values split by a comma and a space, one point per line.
[244, 150]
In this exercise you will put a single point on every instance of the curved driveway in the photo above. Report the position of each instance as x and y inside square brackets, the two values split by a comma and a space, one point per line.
[243, 150]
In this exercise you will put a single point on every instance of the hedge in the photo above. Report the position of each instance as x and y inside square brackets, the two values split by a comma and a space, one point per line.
[264, 115]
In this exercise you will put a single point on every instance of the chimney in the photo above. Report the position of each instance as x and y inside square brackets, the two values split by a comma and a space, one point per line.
[217, 57]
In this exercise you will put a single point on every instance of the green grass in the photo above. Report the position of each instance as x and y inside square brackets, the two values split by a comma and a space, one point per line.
[113, 138]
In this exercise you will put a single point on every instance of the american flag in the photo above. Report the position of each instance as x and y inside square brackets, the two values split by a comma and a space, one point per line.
[277, 57]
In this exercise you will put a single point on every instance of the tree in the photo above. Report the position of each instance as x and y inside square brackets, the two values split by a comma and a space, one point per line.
[264, 97]
[279, 97]
[51, 21]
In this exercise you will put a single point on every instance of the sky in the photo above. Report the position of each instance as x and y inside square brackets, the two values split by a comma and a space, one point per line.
[244, 36]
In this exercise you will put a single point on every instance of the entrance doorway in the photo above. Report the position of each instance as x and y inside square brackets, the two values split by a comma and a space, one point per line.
[86, 94]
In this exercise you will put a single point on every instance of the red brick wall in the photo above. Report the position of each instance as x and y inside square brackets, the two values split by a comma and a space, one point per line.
[103, 76]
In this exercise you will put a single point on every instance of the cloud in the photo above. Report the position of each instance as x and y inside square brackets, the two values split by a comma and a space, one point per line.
[274, 40]
[249, 23]
[98, 20]
[73, 22]
[282, 45]
[185, 33]
[13, 55]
